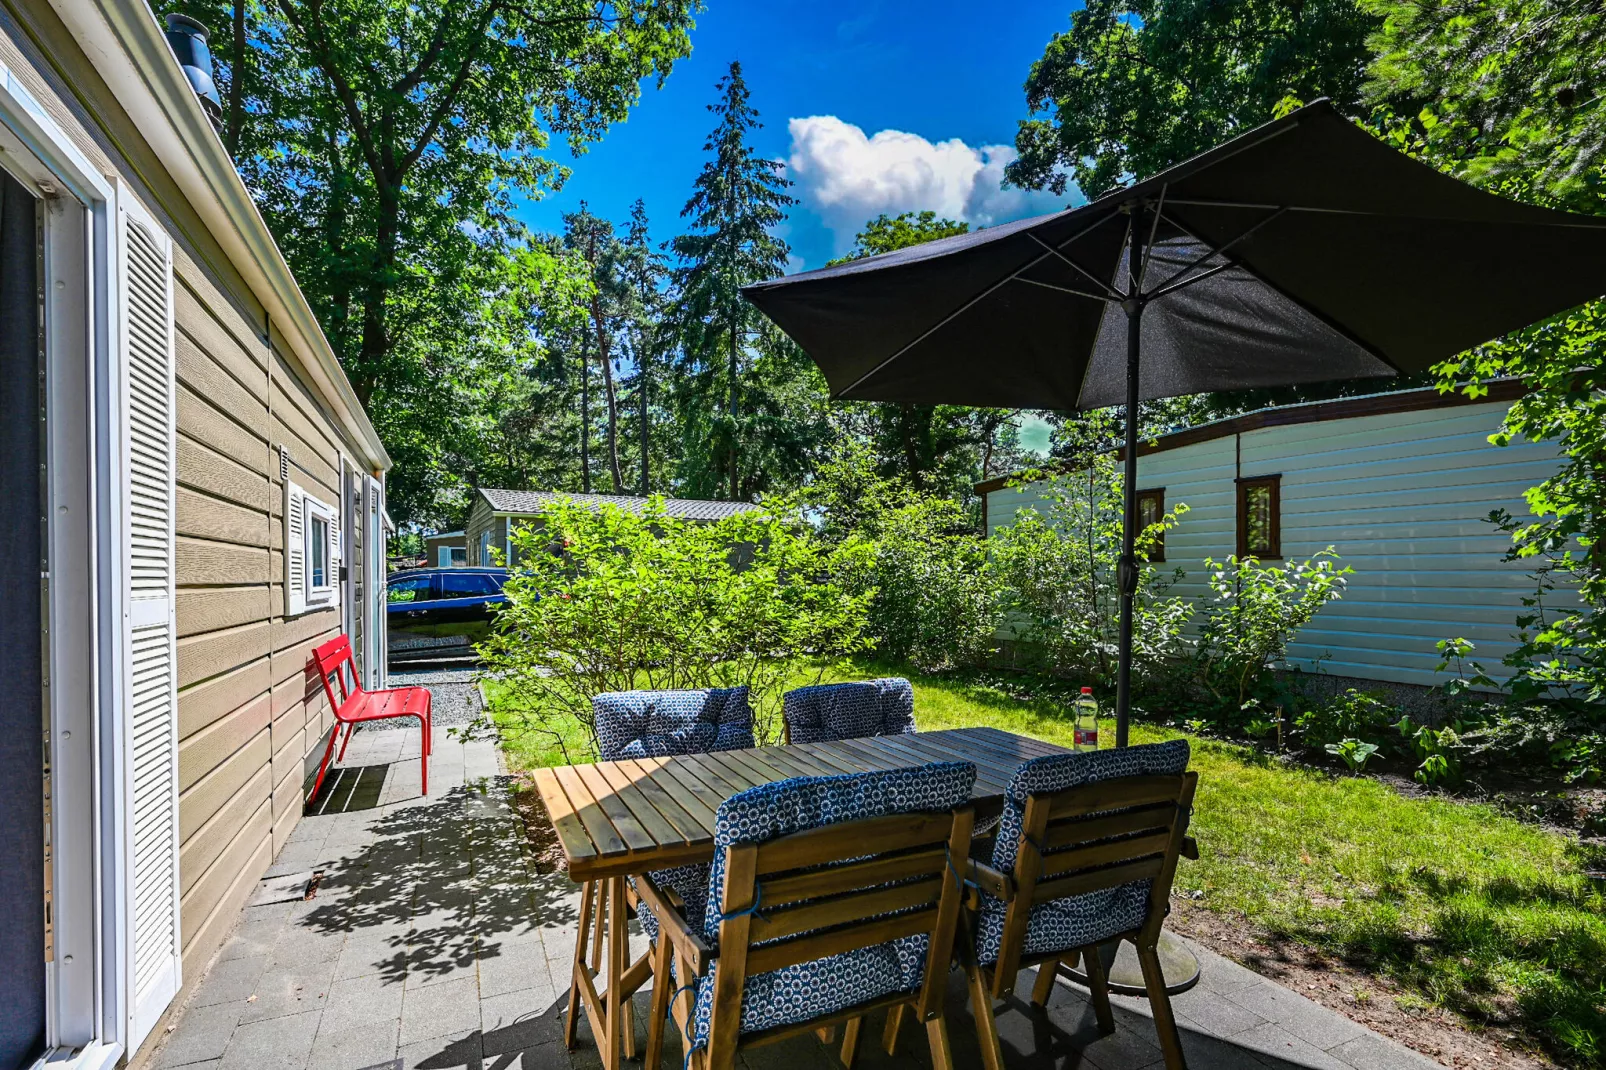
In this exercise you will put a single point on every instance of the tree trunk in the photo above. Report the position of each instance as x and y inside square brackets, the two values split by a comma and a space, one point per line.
[375, 336]
[735, 469]
[911, 451]
[642, 382]
[585, 408]
[237, 69]
[605, 355]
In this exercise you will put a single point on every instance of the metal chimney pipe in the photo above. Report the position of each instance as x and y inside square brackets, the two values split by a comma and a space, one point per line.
[187, 38]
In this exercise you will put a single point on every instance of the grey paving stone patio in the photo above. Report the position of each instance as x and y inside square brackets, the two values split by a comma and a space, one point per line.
[432, 941]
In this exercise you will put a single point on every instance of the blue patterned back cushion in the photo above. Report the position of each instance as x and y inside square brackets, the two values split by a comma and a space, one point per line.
[824, 986]
[1075, 921]
[826, 712]
[657, 724]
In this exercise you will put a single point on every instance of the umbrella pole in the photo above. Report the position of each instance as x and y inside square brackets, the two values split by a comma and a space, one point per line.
[1127, 575]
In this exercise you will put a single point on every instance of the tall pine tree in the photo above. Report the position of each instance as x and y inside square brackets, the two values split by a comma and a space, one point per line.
[736, 200]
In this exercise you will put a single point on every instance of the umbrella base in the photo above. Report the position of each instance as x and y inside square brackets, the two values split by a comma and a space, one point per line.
[1177, 962]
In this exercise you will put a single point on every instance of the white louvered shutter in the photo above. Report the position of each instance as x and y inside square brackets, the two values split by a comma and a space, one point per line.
[295, 549]
[145, 276]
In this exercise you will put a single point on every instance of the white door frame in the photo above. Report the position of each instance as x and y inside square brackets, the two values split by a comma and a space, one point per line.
[86, 999]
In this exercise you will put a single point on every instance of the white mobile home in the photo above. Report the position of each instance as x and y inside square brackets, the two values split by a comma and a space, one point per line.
[1400, 484]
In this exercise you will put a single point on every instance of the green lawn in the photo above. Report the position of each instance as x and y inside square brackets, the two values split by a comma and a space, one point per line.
[1465, 908]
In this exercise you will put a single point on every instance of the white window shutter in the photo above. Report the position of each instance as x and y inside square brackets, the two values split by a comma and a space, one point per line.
[145, 283]
[295, 550]
[336, 558]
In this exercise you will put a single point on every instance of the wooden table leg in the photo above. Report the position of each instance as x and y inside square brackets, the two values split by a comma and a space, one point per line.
[571, 1020]
[618, 951]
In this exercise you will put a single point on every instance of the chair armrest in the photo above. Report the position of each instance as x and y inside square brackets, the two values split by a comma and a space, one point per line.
[1190, 848]
[989, 880]
[672, 925]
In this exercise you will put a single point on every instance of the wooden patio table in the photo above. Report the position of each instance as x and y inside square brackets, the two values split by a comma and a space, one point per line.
[622, 818]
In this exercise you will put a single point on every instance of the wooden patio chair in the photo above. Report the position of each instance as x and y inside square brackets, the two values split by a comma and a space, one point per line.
[828, 898]
[650, 724]
[1086, 851]
[353, 706]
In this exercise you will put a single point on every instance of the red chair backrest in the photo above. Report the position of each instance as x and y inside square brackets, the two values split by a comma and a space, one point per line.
[338, 671]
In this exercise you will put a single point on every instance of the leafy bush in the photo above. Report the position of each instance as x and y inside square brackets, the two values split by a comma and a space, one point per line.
[1057, 569]
[1252, 613]
[606, 600]
[1353, 753]
[1354, 714]
[918, 558]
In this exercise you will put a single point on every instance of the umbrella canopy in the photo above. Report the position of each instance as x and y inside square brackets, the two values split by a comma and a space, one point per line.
[1305, 250]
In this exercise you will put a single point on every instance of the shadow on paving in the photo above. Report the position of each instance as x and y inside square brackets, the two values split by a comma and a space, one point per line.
[434, 884]
[1065, 1036]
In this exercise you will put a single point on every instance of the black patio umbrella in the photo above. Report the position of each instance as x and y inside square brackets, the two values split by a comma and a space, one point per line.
[1303, 251]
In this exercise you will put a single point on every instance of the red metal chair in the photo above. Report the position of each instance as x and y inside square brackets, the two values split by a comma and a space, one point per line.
[354, 706]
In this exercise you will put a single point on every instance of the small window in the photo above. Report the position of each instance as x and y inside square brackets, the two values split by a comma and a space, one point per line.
[408, 589]
[1151, 507]
[459, 555]
[1259, 517]
[318, 552]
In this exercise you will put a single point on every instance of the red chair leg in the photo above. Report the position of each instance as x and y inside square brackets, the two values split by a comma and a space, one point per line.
[423, 756]
[350, 728]
[323, 766]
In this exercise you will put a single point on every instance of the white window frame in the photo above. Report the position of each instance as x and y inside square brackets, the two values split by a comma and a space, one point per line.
[86, 994]
[301, 509]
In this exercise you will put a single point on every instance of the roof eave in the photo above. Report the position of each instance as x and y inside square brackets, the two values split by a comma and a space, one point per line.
[131, 54]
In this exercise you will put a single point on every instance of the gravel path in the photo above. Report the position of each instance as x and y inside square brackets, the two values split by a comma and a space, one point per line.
[454, 698]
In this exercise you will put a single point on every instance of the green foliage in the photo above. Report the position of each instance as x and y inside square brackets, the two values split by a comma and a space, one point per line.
[1056, 565]
[1253, 613]
[1135, 86]
[885, 233]
[388, 146]
[925, 568]
[1354, 714]
[737, 200]
[606, 600]
[1353, 753]
[1435, 748]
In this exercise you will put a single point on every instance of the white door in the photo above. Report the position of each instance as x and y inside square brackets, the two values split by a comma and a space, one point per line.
[145, 312]
[374, 633]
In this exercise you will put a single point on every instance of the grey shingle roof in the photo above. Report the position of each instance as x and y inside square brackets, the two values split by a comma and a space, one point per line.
[533, 501]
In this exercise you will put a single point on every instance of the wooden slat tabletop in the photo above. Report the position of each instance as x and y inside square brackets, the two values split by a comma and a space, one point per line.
[619, 818]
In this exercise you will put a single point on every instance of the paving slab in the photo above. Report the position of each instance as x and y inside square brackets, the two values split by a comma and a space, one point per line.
[433, 941]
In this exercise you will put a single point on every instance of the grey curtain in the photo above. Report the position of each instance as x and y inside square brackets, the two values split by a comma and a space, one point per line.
[22, 858]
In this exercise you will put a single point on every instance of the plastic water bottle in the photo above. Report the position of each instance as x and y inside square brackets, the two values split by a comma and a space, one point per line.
[1087, 721]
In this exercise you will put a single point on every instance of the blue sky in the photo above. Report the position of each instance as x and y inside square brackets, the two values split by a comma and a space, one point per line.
[889, 106]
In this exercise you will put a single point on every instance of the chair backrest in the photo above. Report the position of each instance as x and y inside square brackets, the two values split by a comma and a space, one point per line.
[822, 713]
[657, 724]
[338, 671]
[812, 868]
[1104, 829]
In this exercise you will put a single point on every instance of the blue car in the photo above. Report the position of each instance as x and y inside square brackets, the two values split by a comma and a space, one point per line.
[441, 612]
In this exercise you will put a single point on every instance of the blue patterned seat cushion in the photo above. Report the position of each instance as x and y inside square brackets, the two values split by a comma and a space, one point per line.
[657, 724]
[811, 989]
[1080, 920]
[826, 712]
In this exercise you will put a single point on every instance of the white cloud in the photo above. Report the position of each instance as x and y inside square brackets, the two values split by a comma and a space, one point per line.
[848, 178]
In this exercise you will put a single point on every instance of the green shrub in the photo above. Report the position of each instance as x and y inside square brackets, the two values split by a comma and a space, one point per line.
[1057, 569]
[1251, 614]
[606, 600]
[1354, 714]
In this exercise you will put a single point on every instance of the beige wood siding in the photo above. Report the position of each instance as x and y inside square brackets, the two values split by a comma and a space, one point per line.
[250, 712]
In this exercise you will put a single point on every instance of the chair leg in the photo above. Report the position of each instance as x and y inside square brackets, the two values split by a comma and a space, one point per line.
[1046, 972]
[942, 1055]
[350, 730]
[850, 1041]
[1099, 988]
[423, 758]
[660, 1003]
[1165, 1023]
[889, 1035]
[580, 944]
[981, 1009]
[323, 766]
